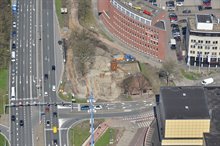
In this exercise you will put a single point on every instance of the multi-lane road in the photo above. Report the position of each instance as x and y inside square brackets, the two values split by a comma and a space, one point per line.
[23, 73]
[49, 72]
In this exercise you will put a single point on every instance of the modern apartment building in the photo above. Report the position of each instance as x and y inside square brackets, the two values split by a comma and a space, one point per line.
[203, 41]
[182, 115]
[141, 27]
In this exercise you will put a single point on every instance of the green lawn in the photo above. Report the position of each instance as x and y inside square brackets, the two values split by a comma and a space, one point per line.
[3, 89]
[105, 138]
[79, 133]
[58, 4]
[3, 141]
[190, 75]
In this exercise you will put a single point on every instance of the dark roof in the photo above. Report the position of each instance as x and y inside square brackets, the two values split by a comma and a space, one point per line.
[204, 18]
[211, 139]
[213, 94]
[184, 103]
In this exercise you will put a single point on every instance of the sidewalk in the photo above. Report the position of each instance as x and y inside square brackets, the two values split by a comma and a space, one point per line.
[99, 131]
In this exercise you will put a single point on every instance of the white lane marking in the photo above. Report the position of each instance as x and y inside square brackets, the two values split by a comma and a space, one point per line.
[127, 110]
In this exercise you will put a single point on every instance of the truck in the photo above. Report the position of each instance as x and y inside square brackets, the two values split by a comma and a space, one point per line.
[172, 43]
[14, 6]
[123, 57]
[12, 93]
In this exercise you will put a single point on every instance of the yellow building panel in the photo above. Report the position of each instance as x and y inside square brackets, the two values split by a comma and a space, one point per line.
[186, 128]
[185, 142]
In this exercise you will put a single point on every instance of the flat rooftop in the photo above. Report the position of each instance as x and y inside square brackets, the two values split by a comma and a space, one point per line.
[144, 5]
[184, 103]
[192, 21]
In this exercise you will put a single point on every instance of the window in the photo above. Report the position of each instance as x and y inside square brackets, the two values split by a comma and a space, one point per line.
[200, 41]
[193, 41]
[207, 42]
[214, 53]
[192, 46]
[199, 47]
[215, 42]
[214, 48]
[207, 47]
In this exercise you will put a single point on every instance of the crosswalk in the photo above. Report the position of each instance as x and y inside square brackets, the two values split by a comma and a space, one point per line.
[141, 120]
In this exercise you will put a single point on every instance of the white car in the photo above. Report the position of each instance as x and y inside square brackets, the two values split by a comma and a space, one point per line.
[207, 81]
[45, 94]
[98, 107]
[14, 24]
[53, 88]
[179, 3]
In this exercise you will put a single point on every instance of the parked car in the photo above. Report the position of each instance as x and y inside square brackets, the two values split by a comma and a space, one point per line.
[98, 107]
[174, 25]
[186, 11]
[200, 8]
[207, 81]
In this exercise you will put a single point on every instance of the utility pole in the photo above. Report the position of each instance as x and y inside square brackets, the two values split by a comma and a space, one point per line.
[91, 110]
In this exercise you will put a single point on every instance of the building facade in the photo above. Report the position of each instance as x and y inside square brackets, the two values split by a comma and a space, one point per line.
[141, 28]
[203, 41]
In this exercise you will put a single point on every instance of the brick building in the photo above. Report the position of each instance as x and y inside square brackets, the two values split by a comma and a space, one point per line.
[141, 28]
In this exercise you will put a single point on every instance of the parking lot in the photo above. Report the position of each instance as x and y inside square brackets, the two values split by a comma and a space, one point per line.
[190, 3]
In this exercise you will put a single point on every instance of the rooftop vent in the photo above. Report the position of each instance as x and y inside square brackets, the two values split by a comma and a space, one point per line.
[184, 94]
[207, 21]
[187, 107]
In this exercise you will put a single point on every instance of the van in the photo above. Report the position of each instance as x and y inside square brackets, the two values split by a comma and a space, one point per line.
[12, 93]
[172, 43]
[207, 81]
[13, 56]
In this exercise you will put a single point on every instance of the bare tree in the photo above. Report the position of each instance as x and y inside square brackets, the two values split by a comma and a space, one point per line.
[168, 68]
[83, 44]
[142, 83]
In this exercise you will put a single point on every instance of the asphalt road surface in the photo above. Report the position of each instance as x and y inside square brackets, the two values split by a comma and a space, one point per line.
[71, 114]
[51, 120]
[22, 80]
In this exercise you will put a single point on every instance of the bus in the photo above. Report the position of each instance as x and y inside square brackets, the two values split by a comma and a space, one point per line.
[12, 93]
[54, 129]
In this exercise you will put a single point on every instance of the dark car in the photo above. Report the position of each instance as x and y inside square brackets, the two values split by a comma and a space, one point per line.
[208, 8]
[200, 8]
[46, 76]
[55, 114]
[55, 142]
[174, 25]
[53, 67]
[186, 11]
[13, 118]
[184, 30]
[13, 46]
[21, 123]
[85, 107]
[14, 33]
[48, 123]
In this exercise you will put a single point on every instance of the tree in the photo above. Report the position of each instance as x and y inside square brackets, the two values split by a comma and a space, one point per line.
[168, 68]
